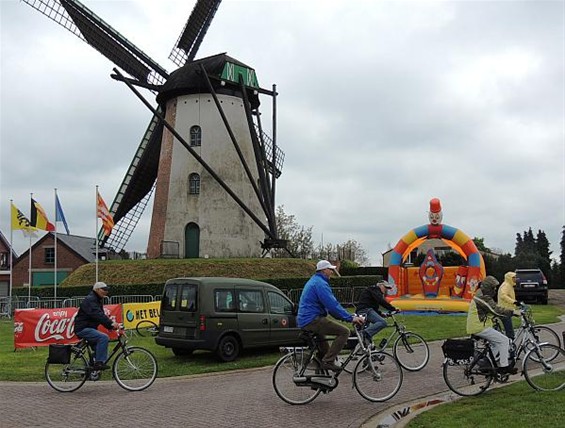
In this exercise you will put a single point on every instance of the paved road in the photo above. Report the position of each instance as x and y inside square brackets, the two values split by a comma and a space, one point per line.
[236, 399]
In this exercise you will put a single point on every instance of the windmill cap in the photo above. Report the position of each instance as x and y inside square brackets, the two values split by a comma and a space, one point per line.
[324, 264]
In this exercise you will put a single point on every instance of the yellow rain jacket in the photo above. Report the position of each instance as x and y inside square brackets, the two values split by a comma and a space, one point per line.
[506, 294]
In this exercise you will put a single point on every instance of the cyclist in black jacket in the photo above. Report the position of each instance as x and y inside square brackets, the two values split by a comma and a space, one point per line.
[369, 301]
[90, 315]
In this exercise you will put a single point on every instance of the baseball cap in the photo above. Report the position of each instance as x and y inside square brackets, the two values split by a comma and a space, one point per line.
[324, 264]
[100, 285]
[385, 283]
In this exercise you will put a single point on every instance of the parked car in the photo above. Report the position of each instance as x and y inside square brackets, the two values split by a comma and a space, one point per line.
[224, 315]
[531, 284]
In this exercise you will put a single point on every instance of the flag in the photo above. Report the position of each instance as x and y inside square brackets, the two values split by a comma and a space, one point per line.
[103, 213]
[59, 215]
[39, 219]
[20, 221]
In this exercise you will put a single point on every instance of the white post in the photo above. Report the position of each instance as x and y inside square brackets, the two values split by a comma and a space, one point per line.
[55, 265]
[96, 231]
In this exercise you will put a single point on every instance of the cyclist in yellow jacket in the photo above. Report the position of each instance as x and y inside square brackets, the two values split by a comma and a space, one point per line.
[507, 299]
[479, 322]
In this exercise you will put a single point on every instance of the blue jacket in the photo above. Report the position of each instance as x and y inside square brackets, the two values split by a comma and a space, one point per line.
[317, 299]
[91, 314]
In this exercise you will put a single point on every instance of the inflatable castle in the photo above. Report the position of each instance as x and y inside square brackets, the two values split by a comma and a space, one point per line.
[431, 286]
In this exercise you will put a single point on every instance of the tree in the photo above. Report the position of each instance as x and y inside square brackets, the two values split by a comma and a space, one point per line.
[299, 237]
[562, 260]
[542, 249]
[480, 244]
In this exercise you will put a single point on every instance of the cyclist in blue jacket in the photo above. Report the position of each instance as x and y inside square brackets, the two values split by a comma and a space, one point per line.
[316, 301]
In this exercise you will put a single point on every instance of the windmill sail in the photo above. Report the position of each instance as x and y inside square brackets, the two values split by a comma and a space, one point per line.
[83, 23]
[194, 31]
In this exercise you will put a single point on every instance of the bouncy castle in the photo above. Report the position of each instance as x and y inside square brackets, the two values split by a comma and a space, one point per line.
[431, 286]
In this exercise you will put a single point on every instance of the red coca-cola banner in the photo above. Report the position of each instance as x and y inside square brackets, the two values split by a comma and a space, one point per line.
[40, 327]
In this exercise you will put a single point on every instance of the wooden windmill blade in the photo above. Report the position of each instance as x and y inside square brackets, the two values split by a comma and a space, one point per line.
[83, 23]
[194, 31]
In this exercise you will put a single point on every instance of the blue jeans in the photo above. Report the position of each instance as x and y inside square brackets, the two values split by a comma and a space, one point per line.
[99, 339]
[508, 327]
[376, 322]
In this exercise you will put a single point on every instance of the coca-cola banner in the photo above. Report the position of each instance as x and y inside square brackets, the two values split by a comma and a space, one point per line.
[40, 327]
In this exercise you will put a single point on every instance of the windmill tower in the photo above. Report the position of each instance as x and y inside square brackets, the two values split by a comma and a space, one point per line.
[204, 154]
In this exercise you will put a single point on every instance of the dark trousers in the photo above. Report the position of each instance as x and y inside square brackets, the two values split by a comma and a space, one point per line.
[323, 327]
[508, 327]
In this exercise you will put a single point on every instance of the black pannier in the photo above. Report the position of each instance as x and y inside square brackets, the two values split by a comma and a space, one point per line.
[59, 354]
[458, 349]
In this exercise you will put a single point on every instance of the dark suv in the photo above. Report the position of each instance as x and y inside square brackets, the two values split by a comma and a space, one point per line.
[531, 285]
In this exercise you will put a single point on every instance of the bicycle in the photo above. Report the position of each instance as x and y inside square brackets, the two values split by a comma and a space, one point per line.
[134, 368]
[298, 377]
[147, 328]
[410, 349]
[528, 332]
[470, 369]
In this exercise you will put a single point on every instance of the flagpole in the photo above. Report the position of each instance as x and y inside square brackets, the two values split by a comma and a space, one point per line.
[29, 270]
[55, 271]
[96, 231]
[11, 260]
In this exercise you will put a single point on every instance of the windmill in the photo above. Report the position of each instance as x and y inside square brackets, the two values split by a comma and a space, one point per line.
[204, 155]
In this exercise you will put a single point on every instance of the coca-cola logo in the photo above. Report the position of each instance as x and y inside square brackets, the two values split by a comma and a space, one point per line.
[59, 328]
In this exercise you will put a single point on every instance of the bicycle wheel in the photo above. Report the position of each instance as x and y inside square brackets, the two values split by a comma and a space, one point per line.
[411, 351]
[543, 334]
[543, 373]
[67, 377]
[146, 328]
[468, 379]
[284, 373]
[377, 377]
[135, 369]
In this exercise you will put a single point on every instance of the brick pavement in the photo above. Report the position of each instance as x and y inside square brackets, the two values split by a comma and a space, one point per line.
[237, 399]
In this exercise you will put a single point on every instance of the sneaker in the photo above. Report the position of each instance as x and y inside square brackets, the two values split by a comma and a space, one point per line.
[331, 366]
[99, 365]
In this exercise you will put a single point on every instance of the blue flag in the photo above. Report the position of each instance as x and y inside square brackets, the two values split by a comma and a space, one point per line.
[59, 216]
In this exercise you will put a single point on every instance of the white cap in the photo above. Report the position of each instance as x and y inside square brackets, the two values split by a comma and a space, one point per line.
[385, 283]
[99, 285]
[324, 264]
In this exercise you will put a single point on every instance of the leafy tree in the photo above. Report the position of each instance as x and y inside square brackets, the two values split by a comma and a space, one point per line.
[519, 244]
[299, 237]
[542, 247]
[480, 244]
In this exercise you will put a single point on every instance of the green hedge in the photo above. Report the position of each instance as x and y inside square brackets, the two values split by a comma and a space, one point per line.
[155, 289]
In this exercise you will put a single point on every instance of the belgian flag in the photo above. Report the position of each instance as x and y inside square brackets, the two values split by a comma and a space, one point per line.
[39, 219]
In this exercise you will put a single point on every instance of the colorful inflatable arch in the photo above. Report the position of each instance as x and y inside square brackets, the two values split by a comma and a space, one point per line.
[430, 286]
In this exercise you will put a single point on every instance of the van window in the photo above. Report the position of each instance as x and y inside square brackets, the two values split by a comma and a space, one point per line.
[188, 298]
[279, 304]
[250, 301]
[169, 300]
[224, 301]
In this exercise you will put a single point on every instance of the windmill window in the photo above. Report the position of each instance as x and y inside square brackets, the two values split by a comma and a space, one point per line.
[194, 184]
[195, 136]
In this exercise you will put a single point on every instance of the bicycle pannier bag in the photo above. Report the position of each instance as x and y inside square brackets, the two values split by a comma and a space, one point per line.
[59, 354]
[458, 349]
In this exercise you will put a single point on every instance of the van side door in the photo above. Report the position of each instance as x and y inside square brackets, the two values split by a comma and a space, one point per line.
[284, 330]
[252, 316]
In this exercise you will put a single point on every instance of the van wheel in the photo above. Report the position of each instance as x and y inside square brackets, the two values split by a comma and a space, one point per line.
[182, 352]
[228, 349]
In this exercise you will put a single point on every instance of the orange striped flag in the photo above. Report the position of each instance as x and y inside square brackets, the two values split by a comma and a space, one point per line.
[103, 213]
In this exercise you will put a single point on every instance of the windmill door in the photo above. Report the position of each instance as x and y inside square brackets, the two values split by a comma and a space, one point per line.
[191, 241]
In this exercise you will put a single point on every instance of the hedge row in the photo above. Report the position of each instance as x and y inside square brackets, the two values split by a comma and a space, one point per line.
[157, 288]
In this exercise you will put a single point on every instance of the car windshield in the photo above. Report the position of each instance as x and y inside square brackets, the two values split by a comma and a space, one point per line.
[528, 276]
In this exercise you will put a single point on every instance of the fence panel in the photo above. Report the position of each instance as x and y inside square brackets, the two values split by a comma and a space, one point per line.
[141, 298]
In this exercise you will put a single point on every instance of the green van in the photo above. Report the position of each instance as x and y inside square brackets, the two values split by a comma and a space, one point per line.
[224, 315]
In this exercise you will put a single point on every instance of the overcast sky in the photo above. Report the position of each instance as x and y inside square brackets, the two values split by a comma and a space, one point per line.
[382, 106]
